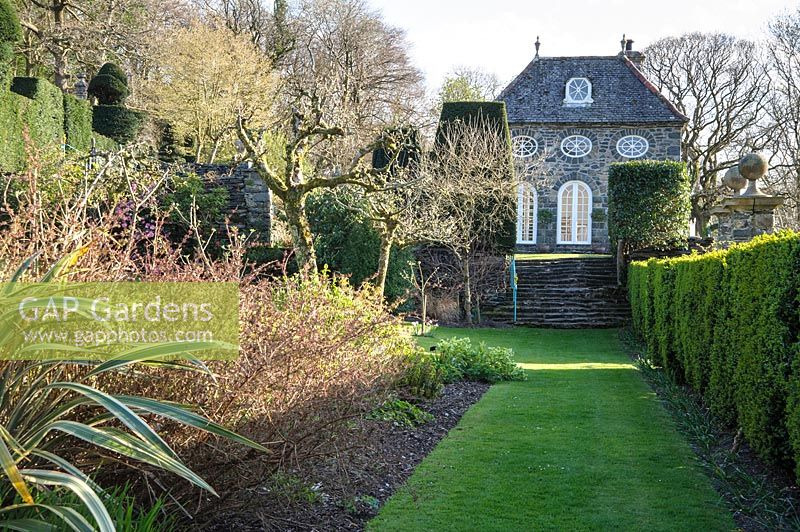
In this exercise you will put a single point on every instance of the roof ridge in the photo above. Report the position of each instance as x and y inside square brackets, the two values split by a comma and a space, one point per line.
[652, 88]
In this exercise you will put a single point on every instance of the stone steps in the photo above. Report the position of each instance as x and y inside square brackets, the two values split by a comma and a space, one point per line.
[564, 293]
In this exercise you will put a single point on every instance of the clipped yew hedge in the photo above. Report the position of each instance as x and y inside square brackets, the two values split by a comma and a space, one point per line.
[649, 204]
[728, 324]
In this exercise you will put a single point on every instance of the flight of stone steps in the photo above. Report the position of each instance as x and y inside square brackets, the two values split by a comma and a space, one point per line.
[564, 293]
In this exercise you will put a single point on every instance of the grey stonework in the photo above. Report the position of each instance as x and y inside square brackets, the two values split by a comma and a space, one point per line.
[549, 169]
[249, 201]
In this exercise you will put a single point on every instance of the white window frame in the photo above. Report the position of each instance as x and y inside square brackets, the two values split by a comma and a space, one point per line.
[522, 189]
[646, 146]
[569, 100]
[565, 139]
[575, 184]
[524, 138]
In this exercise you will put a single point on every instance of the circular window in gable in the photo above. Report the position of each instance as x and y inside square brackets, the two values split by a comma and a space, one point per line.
[632, 146]
[524, 146]
[576, 146]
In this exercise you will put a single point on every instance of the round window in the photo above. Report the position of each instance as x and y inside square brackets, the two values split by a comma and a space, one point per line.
[576, 146]
[632, 146]
[524, 146]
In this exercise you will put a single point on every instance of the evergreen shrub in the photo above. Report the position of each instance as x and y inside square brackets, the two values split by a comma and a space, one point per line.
[648, 204]
[116, 122]
[728, 324]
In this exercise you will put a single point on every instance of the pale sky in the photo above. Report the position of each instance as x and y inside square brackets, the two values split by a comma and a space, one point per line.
[498, 35]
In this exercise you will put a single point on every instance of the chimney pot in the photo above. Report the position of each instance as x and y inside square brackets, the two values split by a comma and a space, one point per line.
[629, 45]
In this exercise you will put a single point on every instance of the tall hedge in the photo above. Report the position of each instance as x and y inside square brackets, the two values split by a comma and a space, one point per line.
[649, 204]
[77, 123]
[504, 238]
[33, 111]
[10, 33]
[728, 324]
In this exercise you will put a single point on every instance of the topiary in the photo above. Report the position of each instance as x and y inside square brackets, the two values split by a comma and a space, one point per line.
[108, 89]
[110, 69]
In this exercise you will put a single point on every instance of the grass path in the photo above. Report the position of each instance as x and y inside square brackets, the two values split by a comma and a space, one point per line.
[583, 444]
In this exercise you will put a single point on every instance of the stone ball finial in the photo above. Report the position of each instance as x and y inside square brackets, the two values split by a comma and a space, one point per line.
[734, 180]
[753, 167]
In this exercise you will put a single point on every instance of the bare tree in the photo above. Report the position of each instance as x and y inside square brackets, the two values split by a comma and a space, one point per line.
[265, 22]
[357, 66]
[783, 48]
[86, 33]
[720, 83]
[470, 195]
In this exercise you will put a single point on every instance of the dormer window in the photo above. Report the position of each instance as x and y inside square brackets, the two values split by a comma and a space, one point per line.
[578, 92]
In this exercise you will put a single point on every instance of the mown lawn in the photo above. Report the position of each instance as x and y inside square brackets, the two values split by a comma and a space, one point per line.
[583, 444]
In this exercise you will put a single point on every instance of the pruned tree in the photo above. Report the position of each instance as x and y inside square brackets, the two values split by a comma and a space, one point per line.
[292, 178]
[721, 84]
[469, 195]
[205, 76]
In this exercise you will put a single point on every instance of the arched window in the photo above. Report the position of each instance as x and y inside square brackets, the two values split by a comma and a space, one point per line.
[527, 211]
[575, 213]
[578, 92]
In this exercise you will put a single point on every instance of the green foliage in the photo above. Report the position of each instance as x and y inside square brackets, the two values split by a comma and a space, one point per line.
[111, 69]
[403, 149]
[401, 413]
[110, 85]
[459, 359]
[349, 245]
[422, 375]
[44, 397]
[31, 117]
[10, 30]
[649, 204]
[126, 515]
[118, 123]
[77, 123]
[10, 33]
[728, 324]
[189, 198]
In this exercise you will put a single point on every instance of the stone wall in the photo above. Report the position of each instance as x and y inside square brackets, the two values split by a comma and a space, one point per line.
[250, 200]
[549, 169]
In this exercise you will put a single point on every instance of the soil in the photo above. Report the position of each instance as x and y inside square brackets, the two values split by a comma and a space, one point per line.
[344, 492]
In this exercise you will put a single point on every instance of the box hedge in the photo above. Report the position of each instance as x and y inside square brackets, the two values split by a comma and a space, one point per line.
[648, 204]
[77, 123]
[728, 324]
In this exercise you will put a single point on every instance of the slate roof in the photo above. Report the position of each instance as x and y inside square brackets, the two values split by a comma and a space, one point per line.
[621, 93]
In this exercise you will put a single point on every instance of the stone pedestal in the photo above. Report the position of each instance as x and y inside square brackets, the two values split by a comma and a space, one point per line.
[740, 219]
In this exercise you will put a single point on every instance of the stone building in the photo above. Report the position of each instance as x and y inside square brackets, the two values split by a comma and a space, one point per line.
[570, 118]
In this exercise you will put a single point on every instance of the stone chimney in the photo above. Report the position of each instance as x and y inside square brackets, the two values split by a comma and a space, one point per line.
[636, 57]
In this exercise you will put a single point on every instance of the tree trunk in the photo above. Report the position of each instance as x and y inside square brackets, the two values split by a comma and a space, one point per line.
[387, 239]
[59, 53]
[294, 204]
[466, 303]
[214, 151]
